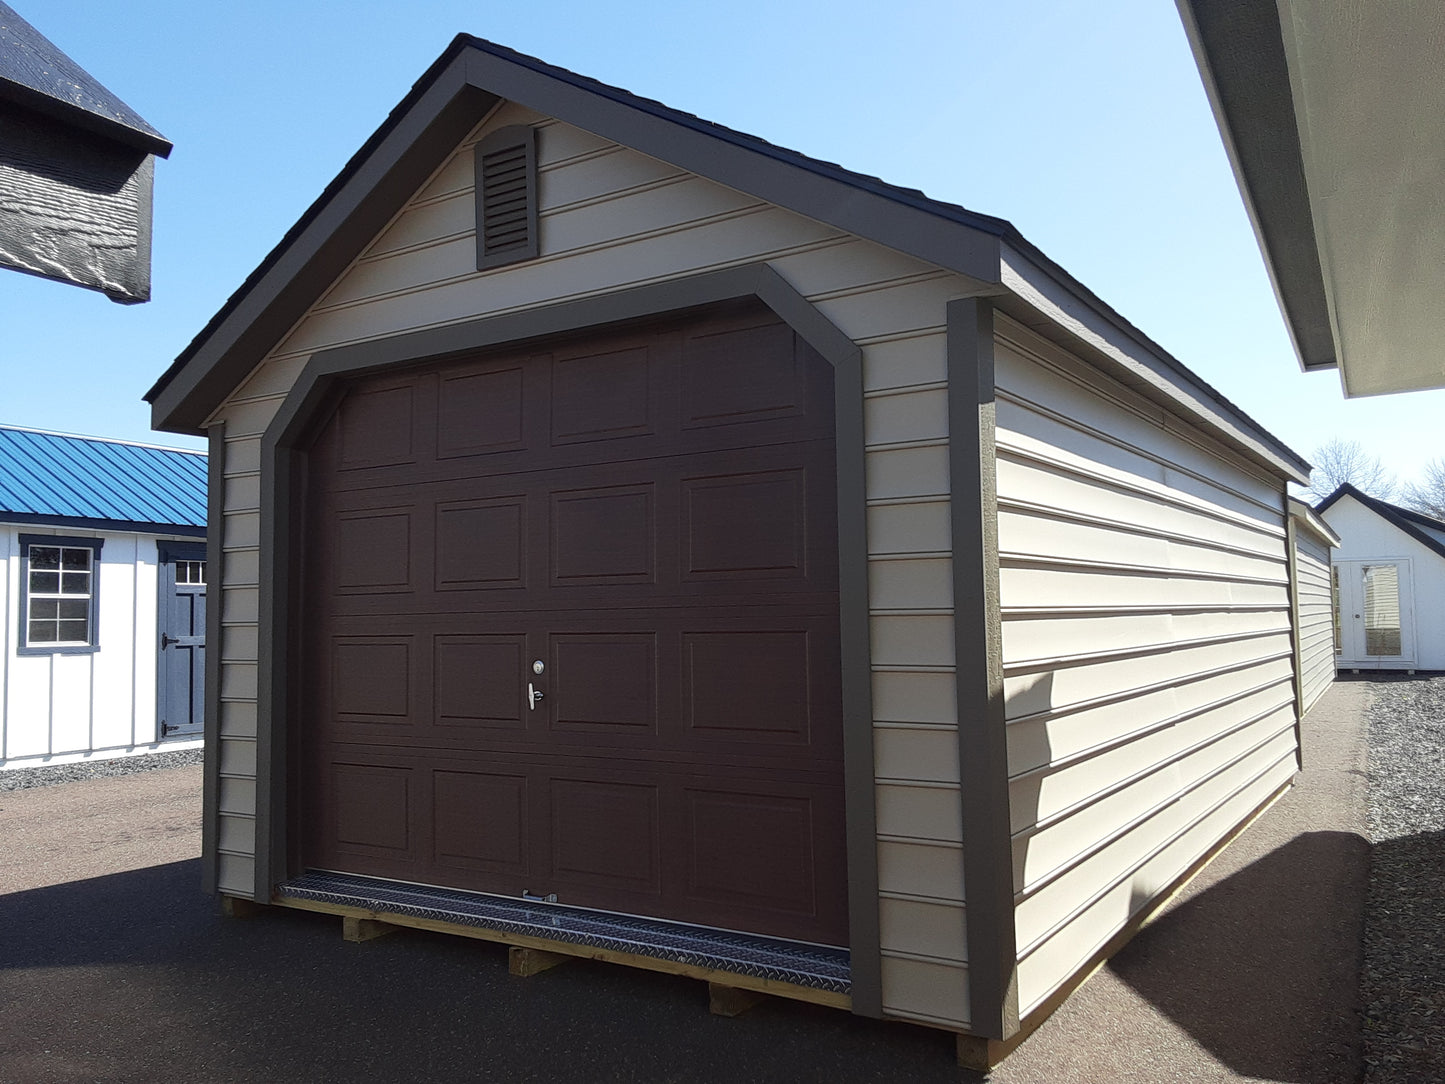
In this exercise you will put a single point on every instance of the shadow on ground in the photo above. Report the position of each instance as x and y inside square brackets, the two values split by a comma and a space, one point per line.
[1262, 968]
[1403, 986]
[136, 977]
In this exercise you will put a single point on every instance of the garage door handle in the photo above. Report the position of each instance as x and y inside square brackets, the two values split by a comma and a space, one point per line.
[533, 695]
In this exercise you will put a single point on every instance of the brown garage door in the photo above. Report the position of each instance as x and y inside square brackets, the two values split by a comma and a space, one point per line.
[637, 527]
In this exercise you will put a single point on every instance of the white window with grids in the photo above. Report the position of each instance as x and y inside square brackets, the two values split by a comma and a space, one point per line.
[60, 579]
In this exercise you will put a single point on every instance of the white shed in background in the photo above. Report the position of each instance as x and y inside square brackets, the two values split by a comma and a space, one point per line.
[102, 548]
[1389, 575]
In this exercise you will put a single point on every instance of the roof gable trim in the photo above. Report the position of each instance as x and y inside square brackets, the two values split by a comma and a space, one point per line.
[466, 81]
[357, 204]
[963, 242]
[1396, 517]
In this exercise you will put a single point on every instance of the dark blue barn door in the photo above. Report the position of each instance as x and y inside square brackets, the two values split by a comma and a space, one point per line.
[180, 695]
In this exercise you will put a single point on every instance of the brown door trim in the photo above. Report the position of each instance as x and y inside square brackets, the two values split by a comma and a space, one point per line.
[281, 460]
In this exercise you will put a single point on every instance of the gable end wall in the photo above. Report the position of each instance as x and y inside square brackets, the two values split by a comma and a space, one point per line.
[611, 218]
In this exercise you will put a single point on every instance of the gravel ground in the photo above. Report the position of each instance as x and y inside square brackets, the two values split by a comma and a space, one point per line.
[49, 774]
[1402, 986]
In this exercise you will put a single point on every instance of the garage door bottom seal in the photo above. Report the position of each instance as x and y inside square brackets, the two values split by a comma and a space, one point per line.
[815, 966]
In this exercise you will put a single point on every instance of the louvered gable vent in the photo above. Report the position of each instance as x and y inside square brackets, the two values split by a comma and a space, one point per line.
[507, 197]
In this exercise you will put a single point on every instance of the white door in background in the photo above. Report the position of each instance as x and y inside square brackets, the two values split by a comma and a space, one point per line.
[1374, 615]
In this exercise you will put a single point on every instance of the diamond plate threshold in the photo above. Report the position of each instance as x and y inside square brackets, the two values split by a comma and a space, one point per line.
[641, 942]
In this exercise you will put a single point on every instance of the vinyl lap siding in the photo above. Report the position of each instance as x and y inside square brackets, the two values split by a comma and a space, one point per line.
[1147, 650]
[1316, 618]
[611, 218]
[240, 578]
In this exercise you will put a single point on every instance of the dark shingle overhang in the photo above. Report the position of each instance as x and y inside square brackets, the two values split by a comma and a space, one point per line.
[37, 75]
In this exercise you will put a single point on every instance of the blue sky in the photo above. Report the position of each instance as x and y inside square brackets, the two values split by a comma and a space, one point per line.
[1083, 124]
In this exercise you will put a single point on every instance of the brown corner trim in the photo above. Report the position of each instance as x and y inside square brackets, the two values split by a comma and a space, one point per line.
[281, 457]
[211, 724]
[982, 752]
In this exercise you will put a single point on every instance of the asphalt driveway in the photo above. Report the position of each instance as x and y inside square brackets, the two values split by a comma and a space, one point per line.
[115, 967]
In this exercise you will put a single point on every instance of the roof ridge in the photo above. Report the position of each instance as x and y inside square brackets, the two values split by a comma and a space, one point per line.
[989, 223]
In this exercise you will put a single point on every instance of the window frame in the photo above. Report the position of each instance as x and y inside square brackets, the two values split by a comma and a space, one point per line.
[177, 553]
[23, 646]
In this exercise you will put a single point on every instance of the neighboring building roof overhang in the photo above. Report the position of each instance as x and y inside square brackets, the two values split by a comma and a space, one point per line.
[36, 74]
[473, 75]
[77, 166]
[1309, 520]
[1407, 521]
[1332, 118]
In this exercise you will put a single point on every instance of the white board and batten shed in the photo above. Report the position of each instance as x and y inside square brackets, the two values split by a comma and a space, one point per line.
[1038, 572]
[102, 548]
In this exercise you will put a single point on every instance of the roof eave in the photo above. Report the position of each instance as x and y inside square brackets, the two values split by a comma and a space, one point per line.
[1240, 52]
[1308, 518]
[1048, 299]
[37, 74]
[147, 142]
[101, 524]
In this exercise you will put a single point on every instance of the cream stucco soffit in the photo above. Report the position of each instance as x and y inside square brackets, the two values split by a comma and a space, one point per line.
[1333, 115]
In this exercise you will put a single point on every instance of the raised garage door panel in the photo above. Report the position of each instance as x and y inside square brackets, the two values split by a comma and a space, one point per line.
[651, 514]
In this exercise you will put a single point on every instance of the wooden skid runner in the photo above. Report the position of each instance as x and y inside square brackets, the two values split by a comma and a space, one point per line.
[588, 952]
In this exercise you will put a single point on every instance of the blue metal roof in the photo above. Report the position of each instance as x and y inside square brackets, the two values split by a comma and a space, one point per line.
[56, 476]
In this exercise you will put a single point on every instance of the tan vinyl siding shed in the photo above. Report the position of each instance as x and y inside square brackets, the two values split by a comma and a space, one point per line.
[1314, 602]
[1061, 653]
